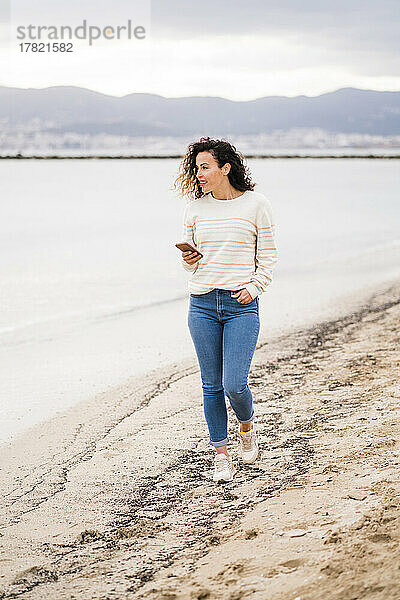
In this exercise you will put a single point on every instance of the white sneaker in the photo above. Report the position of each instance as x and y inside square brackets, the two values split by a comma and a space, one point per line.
[224, 469]
[248, 445]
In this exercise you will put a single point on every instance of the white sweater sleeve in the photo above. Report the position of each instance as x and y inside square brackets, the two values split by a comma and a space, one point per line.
[188, 237]
[266, 252]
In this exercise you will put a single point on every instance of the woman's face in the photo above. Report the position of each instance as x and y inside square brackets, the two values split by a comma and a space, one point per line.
[208, 173]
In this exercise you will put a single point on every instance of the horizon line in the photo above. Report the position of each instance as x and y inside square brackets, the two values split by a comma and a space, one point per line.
[78, 87]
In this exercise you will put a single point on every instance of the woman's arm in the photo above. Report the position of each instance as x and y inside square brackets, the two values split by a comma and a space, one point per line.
[188, 237]
[266, 252]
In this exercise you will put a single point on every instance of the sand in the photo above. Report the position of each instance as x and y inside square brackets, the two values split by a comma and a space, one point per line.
[113, 499]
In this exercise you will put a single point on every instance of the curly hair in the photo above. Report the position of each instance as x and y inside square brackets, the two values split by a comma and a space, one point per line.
[223, 152]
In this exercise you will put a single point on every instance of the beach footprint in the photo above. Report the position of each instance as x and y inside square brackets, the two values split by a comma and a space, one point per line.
[292, 564]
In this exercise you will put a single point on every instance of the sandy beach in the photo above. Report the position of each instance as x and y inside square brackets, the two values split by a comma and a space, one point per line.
[113, 498]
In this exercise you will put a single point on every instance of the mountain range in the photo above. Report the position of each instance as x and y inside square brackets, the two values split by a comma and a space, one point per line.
[61, 109]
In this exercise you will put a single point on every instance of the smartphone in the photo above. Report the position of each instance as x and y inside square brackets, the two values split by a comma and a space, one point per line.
[185, 246]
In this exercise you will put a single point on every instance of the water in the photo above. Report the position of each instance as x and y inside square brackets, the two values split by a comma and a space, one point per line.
[92, 291]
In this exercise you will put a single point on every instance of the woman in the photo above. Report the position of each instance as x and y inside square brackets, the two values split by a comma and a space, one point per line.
[232, 226]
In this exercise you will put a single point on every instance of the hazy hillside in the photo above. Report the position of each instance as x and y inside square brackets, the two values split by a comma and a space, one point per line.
[77, 110]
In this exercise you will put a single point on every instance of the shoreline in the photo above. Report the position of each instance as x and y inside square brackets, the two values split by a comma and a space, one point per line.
[113, 497]
[179, 156]
[272, 326]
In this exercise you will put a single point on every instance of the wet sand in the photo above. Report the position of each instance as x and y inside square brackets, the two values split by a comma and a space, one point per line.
[113, 499]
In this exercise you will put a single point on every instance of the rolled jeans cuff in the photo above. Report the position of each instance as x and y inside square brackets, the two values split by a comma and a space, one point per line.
[248, 420]
[221, 443]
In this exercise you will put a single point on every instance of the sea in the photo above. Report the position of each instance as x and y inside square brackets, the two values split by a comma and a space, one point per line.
[91, 287]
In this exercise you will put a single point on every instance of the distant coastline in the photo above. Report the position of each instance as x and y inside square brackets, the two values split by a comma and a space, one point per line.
[178, 156]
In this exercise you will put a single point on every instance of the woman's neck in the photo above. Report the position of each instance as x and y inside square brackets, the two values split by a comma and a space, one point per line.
[225, 193]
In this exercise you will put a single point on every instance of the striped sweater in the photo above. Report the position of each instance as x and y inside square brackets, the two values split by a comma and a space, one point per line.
[236, 238]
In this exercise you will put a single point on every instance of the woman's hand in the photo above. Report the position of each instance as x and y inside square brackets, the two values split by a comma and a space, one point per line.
[191, 257]
[242, 296]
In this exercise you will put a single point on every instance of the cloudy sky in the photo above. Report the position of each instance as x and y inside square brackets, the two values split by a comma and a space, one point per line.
[231, 48]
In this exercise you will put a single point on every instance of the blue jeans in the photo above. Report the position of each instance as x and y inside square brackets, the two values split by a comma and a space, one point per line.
[224, 332]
